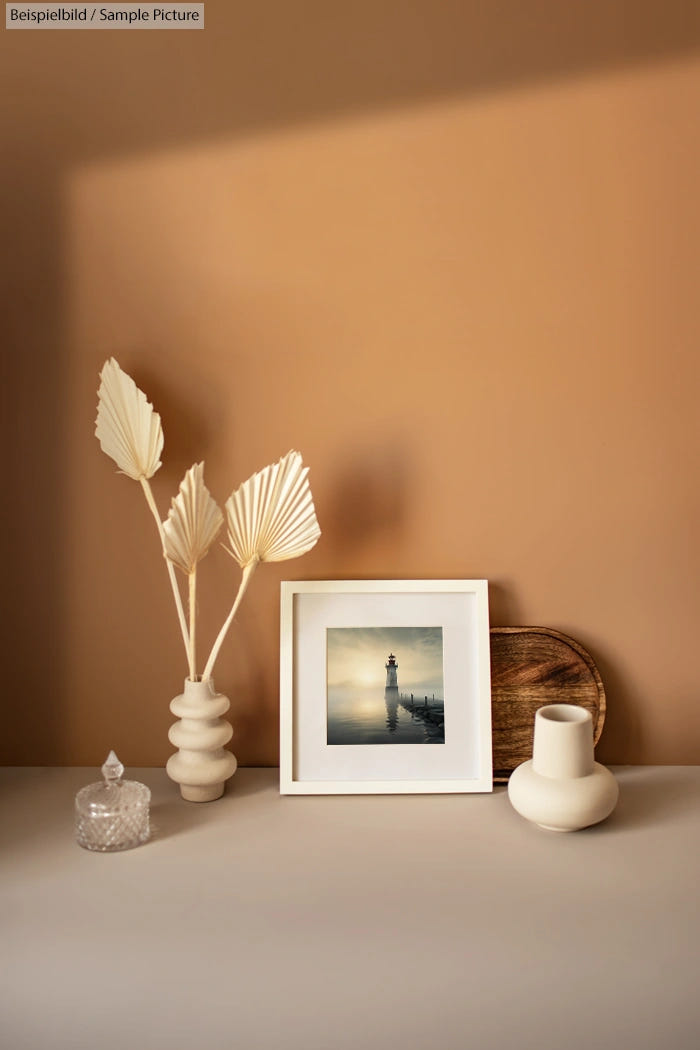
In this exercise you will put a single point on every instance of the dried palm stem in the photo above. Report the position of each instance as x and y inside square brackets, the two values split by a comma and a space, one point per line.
[248, 571]
[148, 493]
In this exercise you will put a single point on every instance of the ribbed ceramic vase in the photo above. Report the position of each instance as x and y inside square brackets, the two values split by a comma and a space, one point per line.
[201, 766]
[562, 788]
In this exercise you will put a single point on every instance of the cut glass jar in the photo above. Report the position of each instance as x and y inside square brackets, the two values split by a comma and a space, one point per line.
[114, 814]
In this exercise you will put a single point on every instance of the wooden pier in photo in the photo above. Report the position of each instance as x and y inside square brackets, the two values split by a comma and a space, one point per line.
[426, 708]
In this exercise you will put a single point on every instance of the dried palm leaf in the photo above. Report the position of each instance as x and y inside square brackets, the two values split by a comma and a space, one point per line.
[189, 532]
[129, 431]
[271, 517]
[193, 522]
[127, 428]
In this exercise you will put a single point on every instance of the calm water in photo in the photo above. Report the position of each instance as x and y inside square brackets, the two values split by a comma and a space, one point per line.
[367, 716]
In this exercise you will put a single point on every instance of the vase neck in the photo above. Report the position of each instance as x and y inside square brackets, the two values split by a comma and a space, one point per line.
[563, 742]
[199, 688]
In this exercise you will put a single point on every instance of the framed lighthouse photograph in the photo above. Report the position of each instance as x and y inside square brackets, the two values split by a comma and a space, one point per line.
[385, 687]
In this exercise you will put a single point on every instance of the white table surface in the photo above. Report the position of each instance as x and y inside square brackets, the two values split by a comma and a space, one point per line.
[345, 922]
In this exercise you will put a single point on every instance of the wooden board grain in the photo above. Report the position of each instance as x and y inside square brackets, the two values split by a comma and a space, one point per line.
[531, 667]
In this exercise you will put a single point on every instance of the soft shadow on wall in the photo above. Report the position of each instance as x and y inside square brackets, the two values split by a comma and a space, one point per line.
[98, 95]
[88, 96]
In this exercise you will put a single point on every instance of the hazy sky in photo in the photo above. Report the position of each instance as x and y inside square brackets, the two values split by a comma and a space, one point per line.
[358, 655]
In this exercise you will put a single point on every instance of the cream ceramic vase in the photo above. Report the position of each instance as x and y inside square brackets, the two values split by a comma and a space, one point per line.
[201, 766]
[562, 788]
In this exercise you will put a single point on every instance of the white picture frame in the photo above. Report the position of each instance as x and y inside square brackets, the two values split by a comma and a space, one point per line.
[322, 621]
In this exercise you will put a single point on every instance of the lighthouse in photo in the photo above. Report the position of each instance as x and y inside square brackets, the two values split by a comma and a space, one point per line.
[392, 685]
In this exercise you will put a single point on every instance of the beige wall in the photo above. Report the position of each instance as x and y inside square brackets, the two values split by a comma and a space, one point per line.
[450, 256]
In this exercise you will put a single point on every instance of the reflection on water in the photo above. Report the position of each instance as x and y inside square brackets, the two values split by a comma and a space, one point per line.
[357, 716]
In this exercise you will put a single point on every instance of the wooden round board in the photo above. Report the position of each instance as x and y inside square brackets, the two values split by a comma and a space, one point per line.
[531, 667]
